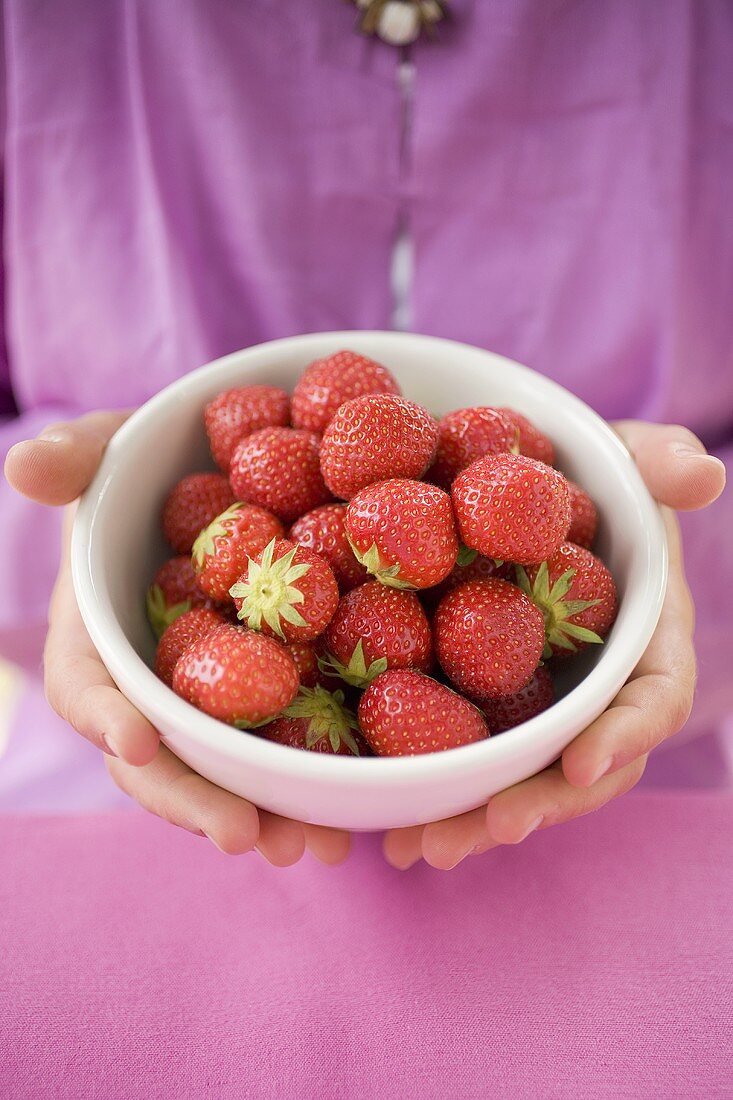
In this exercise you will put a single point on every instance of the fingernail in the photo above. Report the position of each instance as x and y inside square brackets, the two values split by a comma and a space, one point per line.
[460, 859]
[535, 825]
[684, 450]
[603, 768]
[54, 435]
[213, 842]
[109, 746]
[402, 865]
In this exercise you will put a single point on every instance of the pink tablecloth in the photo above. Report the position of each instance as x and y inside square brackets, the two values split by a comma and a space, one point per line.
[593, 961]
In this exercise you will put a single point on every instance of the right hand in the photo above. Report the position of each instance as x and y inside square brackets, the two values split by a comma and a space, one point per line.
[54, 469]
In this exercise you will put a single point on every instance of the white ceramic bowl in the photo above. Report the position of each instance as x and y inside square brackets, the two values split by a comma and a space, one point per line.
[117, 548]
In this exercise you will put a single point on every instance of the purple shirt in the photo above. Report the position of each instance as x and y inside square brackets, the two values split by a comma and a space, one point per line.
[179, 185]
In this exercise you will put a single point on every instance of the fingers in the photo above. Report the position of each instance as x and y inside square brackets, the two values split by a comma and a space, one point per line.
[548, 799]
[168, 788]
[446, 843]
[674, 464]
[656, 701]
[80, 689]
[545, 799]
[403, 847]
[327, 845]
[57, 466]
[281, 841]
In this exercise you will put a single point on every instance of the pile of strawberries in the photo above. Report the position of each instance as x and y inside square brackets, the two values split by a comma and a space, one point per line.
[363, 578]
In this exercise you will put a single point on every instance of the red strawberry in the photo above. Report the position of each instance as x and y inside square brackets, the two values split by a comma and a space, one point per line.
[468, 434]
[512, 508]
[286, 591]
[508, 711]
[583, 517]
[317, 720]
[307, 657]
[306, 662]
[532, 442]
[403, 532]
[576, 595]
[327, 383]
[173, 592]
[403, 713]
[191, 505]
[186, 629]
[221, 551]
[238, 676]
[278, 469]
[489, 638]
[236, 413]
[376, 628]
[373, 438]
[323, 530]
[469, 566]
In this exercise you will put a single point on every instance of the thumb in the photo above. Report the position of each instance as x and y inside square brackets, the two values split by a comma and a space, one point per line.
[57, 466]
[676, 467]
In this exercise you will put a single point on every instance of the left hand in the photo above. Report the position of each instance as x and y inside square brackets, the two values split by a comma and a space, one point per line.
[608, 758]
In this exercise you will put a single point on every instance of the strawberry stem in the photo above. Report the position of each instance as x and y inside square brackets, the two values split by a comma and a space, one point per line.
[269, 594]
[160, 615]
[557, 612]
[356, 673]
[327, 717]
[380, 569]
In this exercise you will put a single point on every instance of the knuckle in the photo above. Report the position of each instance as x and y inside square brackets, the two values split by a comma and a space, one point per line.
[680, 694]
[684, 435]
[57, 677]
[632, 774]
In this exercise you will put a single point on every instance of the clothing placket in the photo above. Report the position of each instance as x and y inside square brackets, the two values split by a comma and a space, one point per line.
[402, 265]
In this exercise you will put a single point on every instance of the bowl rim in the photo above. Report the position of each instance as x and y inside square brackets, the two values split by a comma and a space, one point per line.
[135, 679]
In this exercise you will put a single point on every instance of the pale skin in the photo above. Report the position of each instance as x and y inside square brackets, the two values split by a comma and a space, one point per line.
[603, 762]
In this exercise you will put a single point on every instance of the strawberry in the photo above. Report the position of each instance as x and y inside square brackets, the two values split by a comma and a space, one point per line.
[278, 469]
[468, 434]
[508, 711]
[236, 413]
[238, 676]
[173, 592]
[286, 591]
[323, 530]
[512, 508]
[403, 713]
[469, 566]
[489, 638]
[307, 656]
[191, 505]
[327, 383]
[185, 630]
[373, 438]
[221, 551]
[403, 532]
[576, 595]
[306, 662]
[376, 628]
[317, 720]
[583, 517]
[532, 442]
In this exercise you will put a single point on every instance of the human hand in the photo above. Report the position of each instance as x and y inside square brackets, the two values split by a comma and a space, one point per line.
[608, 758]
[55, 469]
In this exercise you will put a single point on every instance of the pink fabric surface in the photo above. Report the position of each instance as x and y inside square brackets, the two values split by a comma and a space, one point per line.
[593, 961]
